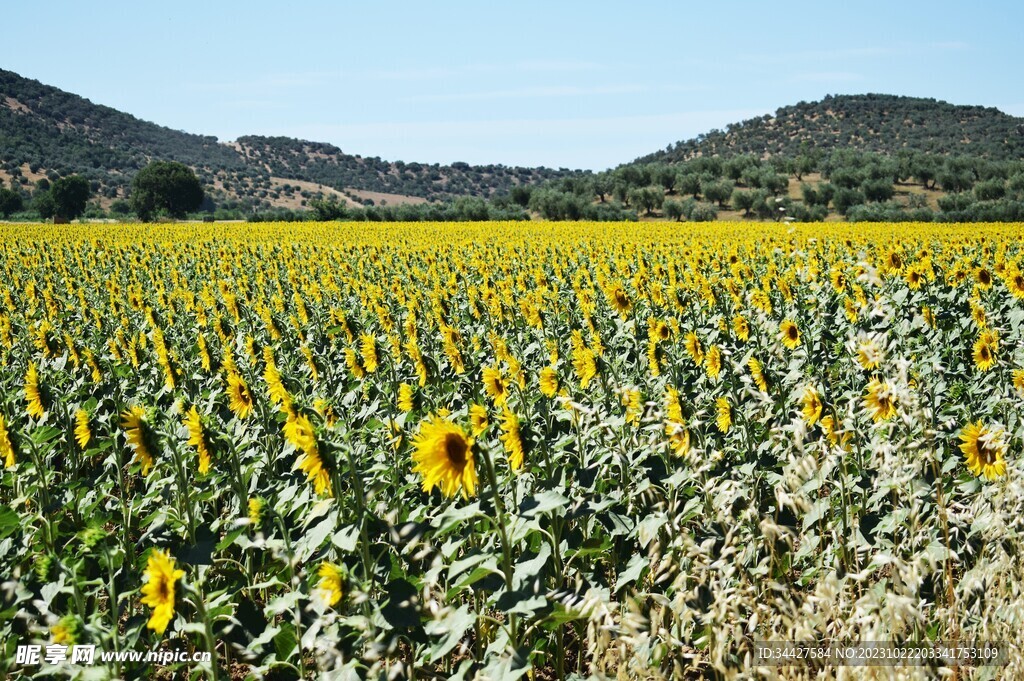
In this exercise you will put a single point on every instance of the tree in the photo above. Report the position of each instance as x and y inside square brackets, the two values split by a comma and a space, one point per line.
[877, 190]
[166, 186]
[70, 194]
[743, 200]
[719, 192]
[673, 209]
[44, 205]
[689, 183]
[990, 190]
[647, 198]
[10, 202]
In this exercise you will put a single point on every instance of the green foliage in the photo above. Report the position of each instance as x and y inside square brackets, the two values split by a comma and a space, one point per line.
[718, 192]
[877, 190]
[990, 190]
[165, 187]
[845, 199]
[10, 202]
[44, 204]
[703, 212]
[647, 198]
[70, 194]
[673, 209]
[873, 122]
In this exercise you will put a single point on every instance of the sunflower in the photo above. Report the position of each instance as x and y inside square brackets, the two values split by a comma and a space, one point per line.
[1018, 380]
[790, 334]
[724, 414]
[133, 421]
[511, 439]
[494, 385]
[368, 351]
[66, 630]
[82, 432]
[983, 277]
[811, 406]
[757, 373]
[478, 418]
[1015, 282]
[239, 397]
[549, 381]
[583, 360]
[331, 584]
[6, 447]
[978, 314]
[984, 448]
[713, 361]
[869, 352]
[352, 360]
[197, 438]
[158, 591]
[33, 397]
[631, 399]
[405, 398]
[660, 331]
[276, 389]
[879, 401]
[985, 350]
[741, 328]
[620, 301]
[443, 455]
[838, 279]
[256, 505]
[673, 408]
[299, 432]
[678, 438]
[693, 348]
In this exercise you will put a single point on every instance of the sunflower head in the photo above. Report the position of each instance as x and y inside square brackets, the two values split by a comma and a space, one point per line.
[443, 455]
[239, 397]
[790, 334]
[984, 448]
[879, 401]
[494, 385]
[811, 406]
[332, 582]
[158, 591]
[724, 414]
[549, 381]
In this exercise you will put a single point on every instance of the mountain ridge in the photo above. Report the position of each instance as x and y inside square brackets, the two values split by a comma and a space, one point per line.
[868, 122]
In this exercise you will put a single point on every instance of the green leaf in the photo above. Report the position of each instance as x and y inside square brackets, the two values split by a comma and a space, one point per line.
[346, 539]
[451, 630]
[285, 641]
[542, 503]
[636, 566]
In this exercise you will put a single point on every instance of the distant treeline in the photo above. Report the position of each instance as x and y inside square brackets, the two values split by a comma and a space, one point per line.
[850, 184]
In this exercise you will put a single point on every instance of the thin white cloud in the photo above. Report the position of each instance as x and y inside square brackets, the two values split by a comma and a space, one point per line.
[827, 77]
[519, 126]
[531, 93]
[436, 73]
[846, 54]
[267, 83]
[587, 142]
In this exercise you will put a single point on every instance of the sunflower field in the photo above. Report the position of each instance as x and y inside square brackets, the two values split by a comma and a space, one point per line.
[500, 451]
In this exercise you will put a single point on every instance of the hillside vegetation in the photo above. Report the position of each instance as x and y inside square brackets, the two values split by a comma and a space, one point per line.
[48, 133]
[871, 122]
[854, 157]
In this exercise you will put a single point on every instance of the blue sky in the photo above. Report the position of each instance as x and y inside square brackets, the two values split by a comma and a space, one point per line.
[566, 84]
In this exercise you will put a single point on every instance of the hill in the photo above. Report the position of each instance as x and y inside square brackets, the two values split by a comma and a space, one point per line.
[46, 132]
[872, 122]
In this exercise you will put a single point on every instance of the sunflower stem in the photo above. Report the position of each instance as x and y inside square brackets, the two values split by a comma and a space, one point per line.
[506, 548]
[211, 644]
